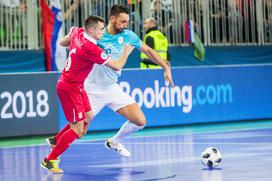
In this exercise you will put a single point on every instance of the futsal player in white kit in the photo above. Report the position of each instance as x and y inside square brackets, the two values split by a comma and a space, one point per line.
[101, 84]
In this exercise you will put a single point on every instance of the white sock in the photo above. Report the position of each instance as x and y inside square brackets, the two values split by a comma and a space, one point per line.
[125, 130]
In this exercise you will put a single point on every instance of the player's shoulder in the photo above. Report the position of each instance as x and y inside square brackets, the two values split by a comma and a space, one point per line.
[75, 30]
[129, 32]
[129, 35]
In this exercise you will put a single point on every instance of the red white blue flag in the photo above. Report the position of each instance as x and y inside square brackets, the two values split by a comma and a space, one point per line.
[189, 31]
[55, 55]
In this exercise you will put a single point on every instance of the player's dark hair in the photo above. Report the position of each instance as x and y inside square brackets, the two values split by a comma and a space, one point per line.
[92, 21]
[117, 9]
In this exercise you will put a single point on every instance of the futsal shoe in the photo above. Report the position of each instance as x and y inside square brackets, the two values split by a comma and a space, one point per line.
[51, 141]
[51, 166]
[118, 147]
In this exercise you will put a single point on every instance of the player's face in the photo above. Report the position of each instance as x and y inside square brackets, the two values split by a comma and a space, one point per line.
[120, 22]
[98, 31]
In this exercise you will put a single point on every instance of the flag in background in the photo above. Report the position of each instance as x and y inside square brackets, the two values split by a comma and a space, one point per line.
[47, 31]
[193, 39]
[189, 31]
[199, 49]
[55, 55]
[58, 52]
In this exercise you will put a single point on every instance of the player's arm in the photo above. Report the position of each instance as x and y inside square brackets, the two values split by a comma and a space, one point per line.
[120, 63]
[65, 41]
[154, 56]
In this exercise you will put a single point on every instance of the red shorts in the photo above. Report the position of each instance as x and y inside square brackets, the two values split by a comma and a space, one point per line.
[74, 101]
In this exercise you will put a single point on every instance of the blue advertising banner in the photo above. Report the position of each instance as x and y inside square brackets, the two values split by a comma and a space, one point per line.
[28, 104]
[200, 95]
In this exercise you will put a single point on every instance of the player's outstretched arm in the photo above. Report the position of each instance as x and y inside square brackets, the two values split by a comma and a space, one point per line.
[120, 63]
[65, 41]
[154, 56]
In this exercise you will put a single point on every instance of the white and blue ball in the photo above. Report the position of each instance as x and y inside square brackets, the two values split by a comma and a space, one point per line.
[211, 157]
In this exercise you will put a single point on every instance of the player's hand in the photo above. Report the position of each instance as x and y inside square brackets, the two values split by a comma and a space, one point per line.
[128, 49]
[168, 77]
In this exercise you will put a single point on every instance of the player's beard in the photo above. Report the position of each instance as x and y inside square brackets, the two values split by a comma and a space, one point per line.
[117, 30]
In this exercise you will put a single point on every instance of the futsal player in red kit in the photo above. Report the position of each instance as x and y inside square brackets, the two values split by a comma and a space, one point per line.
[84, 53]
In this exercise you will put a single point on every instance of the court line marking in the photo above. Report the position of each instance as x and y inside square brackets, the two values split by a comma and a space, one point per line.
[148, 136]
[181, 143]
[167, 161]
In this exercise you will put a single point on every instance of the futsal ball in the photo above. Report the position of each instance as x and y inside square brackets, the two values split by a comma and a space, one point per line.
[211, 157]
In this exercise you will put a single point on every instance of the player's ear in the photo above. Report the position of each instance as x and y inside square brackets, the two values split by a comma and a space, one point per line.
[91, 30]
[112, 18]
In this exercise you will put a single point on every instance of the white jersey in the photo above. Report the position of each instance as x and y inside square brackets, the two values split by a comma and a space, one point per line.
[102, 77]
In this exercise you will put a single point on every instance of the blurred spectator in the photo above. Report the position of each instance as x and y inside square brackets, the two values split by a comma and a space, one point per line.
[268, 20]
[72, 12]
[10, 3]
[247, 9]
[13, 22]
[136, 16]
[164, 18]
[234, 18]
[157, 41]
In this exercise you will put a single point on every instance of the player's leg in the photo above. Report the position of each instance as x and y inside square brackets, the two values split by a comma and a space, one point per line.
[52, 141]
[89, 118]
[88, 111]
[136, 120]
[96, 105]
[50, 162]
[74, 112]
[123, 104]
[76, 130]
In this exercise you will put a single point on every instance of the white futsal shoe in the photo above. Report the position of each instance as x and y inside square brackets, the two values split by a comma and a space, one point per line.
[118, 147]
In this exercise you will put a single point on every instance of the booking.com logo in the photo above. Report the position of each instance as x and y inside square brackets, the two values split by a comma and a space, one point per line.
[160, 96]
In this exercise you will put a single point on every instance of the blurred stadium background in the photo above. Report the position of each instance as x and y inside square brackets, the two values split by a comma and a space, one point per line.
[234, 32]
[231, 86]
[218, 22]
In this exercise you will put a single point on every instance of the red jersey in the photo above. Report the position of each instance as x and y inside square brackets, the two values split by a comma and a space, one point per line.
[84, 53]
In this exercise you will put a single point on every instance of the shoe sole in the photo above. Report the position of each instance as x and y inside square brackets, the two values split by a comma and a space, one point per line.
[105, 144]
[50, 171]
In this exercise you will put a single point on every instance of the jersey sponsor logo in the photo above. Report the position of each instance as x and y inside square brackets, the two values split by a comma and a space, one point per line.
[120, 40]
[104, 56]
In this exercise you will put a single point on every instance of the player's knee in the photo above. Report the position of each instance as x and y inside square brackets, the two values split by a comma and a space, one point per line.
[142, 126]
[91, 118]
[80, 133]
[78, 128]
[141, 122]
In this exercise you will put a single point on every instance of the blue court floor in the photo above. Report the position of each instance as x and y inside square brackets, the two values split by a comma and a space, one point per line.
[158, 155]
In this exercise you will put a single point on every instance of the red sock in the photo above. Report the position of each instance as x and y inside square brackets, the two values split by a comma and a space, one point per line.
[67, 126]
[64, 142]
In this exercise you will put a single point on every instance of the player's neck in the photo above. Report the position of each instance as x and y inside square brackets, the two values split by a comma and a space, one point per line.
[111, 30]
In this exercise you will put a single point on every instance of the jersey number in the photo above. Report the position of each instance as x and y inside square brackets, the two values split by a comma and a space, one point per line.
[69, 60]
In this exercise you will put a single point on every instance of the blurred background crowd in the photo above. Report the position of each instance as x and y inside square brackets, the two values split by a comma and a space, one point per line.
[217, 22]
